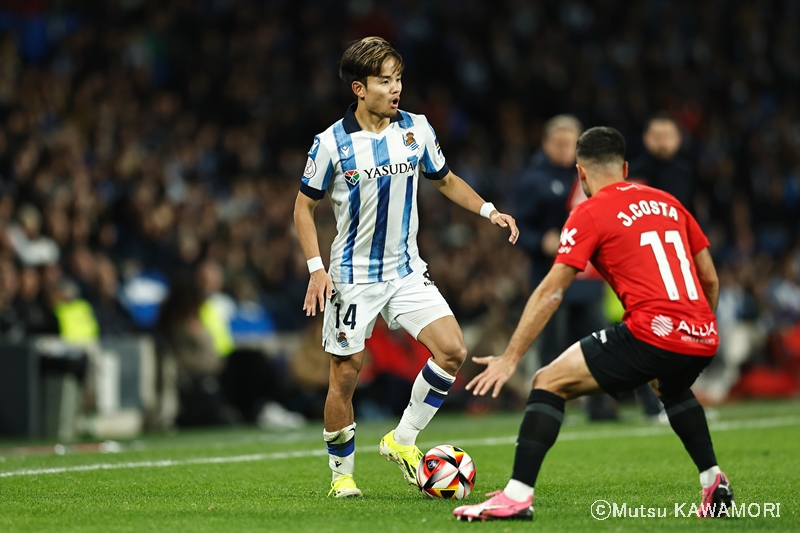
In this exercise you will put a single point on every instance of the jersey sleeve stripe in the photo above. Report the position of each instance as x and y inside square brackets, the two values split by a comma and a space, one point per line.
[345, 144]
[436, 175]
[311, 192]
[404, 258]
[344, 147]
[406, 122]
[328, 175]
[314, 147]
[380, 153]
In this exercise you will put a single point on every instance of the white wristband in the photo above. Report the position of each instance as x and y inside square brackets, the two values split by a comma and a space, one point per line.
[314, 264]
[486, 209]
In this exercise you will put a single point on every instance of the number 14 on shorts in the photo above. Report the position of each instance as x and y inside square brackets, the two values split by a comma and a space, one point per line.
[349, 316]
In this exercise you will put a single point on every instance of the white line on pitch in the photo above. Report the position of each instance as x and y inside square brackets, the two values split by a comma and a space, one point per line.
[496, 441]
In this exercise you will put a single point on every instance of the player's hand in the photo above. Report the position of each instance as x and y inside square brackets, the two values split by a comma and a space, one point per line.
[498, 371]
[505, 221]
[320, 288]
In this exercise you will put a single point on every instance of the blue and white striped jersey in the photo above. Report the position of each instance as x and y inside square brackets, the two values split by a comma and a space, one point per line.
[372, 182]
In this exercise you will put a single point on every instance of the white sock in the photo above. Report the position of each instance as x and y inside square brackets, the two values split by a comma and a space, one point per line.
[518, 491]
[707, 477]
[341, 448]
[427, 395]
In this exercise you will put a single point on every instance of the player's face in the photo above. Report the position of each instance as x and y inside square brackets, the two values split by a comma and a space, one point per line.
[662, 139]
[559, 147]
[382, 93]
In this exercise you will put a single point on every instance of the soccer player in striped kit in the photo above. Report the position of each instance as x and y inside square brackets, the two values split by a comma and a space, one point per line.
[369, 163]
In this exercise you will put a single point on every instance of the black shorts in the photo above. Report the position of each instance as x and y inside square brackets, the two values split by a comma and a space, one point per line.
[620, 362]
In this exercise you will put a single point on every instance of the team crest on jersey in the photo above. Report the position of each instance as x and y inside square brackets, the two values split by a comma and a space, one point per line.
[352, 176]
[410, 141]
[342, 340]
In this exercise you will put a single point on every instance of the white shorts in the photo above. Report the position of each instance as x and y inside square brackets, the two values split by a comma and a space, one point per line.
[411, 302]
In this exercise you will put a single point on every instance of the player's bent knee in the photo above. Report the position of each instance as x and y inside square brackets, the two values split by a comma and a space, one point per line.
[459, 354]
[454, 356]
[542, 380]
[549, 379]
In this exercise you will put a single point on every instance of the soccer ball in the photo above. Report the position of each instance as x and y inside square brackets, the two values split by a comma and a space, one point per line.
[446, 472]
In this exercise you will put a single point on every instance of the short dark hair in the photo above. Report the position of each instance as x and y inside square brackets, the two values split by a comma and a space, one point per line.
[601, 145]
[365, 57]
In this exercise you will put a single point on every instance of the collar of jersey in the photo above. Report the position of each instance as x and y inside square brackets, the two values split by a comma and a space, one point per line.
[351, 124]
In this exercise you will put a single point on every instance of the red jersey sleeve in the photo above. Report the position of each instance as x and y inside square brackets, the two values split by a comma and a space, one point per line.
[579, 239]
[697, 239]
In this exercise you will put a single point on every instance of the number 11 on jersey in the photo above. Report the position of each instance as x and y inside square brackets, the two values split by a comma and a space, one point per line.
[673, 237]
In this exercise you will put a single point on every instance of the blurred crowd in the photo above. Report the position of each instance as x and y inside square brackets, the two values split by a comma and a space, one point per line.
[143, 141]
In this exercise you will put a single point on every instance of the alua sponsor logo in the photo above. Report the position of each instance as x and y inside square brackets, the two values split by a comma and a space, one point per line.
[695, 330]
[663, 326]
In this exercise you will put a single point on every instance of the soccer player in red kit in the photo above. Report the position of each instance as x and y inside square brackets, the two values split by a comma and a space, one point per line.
[655, 257]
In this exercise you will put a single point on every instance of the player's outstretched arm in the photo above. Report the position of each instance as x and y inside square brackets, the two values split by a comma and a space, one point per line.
[540, 307]
[707, 275]
[462, 194]
[320, 285]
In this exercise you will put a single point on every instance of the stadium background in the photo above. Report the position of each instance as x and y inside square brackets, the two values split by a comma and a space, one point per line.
[157, 141]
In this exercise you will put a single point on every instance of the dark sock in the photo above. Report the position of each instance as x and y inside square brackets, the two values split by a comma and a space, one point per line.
[538, 432]
[688, 420]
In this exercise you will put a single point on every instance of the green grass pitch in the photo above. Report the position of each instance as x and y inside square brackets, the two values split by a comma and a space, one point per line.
[248, 480]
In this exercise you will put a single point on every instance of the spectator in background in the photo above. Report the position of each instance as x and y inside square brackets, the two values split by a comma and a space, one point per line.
[543, 198]
[34, 315]
[112, 317]
[82, 268]
[220, 387]
[661, 166]
[250, 320]
[9, 288]
[31, 246]
[741, 334]
[132, 132]
[215, 310]
[76, 319]
[540, 201]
